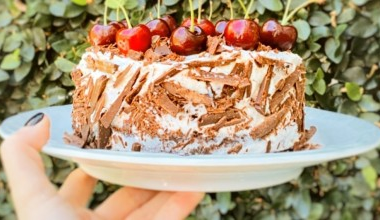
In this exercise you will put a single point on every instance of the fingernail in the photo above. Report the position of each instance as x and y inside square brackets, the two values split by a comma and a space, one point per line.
[35, 119]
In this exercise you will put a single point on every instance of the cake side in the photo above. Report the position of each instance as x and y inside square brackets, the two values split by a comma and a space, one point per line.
[235, 101]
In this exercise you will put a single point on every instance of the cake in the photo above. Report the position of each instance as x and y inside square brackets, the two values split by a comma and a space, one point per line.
[224, 100]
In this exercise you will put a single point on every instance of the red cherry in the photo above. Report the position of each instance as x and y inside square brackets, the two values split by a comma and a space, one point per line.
[244, 33]
[185, 42]
[137, 38]
[117, 24]
[187, 22]
[206, 25]
[159, 27]
[170, 21]
[102, 34]
[275, 35]
[220, 26]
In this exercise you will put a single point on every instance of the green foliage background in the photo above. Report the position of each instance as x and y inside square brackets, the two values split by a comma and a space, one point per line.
[41, 40]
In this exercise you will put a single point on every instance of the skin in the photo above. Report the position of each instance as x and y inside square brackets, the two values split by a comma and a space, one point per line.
[35, 197]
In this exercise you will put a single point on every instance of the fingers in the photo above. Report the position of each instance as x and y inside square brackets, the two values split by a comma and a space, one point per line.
[78, 188]
[179, 205]
[168, 205]
[123, 202]
[23, 164]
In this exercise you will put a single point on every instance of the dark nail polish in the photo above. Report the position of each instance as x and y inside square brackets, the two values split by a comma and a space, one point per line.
[35, 119]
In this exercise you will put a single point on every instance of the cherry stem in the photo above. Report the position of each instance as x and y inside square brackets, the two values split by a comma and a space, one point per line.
[246, 16]
[211, 11]
[231, 10]
[243, 6]
[117, 14]
[159, 9]
[105, 15]
[286, 12]
[199, 10]
[126, 16]
[303, 5]
[191, 15]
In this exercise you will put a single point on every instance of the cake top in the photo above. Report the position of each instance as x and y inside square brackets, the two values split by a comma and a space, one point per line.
[162, 36]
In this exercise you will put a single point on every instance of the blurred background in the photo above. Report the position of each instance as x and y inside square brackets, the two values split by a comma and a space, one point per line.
[42, 40]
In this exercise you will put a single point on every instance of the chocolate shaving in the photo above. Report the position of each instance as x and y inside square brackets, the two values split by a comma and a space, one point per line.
[98, 108]
[167, 74]
[121, 76]
[213, 63]
[238, 69]
[305, 137]
[105, 66]
[103, 137]
[269, 146]
[136, 147]
[72, 139]
[99, 86]
[151, 56]
[135, 55]
[263, 92]
[235, 149]
[213, 44]
[162, 50]
[234, 81]
[164, 102]
[187, 94]
[108, 117]
[269, 123]
[208, 119]
[279, 95]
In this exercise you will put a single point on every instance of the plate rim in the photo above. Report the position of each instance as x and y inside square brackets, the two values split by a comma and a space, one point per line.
[165, 159]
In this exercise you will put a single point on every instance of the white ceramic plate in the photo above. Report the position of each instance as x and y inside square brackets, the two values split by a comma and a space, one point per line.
[339, 135]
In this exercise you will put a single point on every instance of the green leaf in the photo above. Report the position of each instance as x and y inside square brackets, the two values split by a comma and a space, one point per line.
[359, 2]
[169, 2]
[55, 95]
[64, 65]
[362, 27]
[319, 18]
[79, 2]
[302, 203]
[5, 19]
[332, 50]
[320, 32]
[272, 5]
[223, 200]
[339, 30]
[114, 4]
[58, 8]
[39, 38]
[354, 74]
[4, 76]
[370, 176]
[61, 45]
[368, 104]
[370, 117]
[131, 4]
[303, 29]
[27, 52]
[347, 15]
[354, 92]
[319, 86]
[21, 72]
[73, 10]
[11, 61]
[12, 42]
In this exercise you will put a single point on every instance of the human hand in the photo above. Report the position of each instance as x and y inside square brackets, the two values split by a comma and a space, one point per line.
[34, 197]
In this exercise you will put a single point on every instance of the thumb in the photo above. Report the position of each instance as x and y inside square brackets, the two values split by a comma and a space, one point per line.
[23, 164]
[35, 133]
